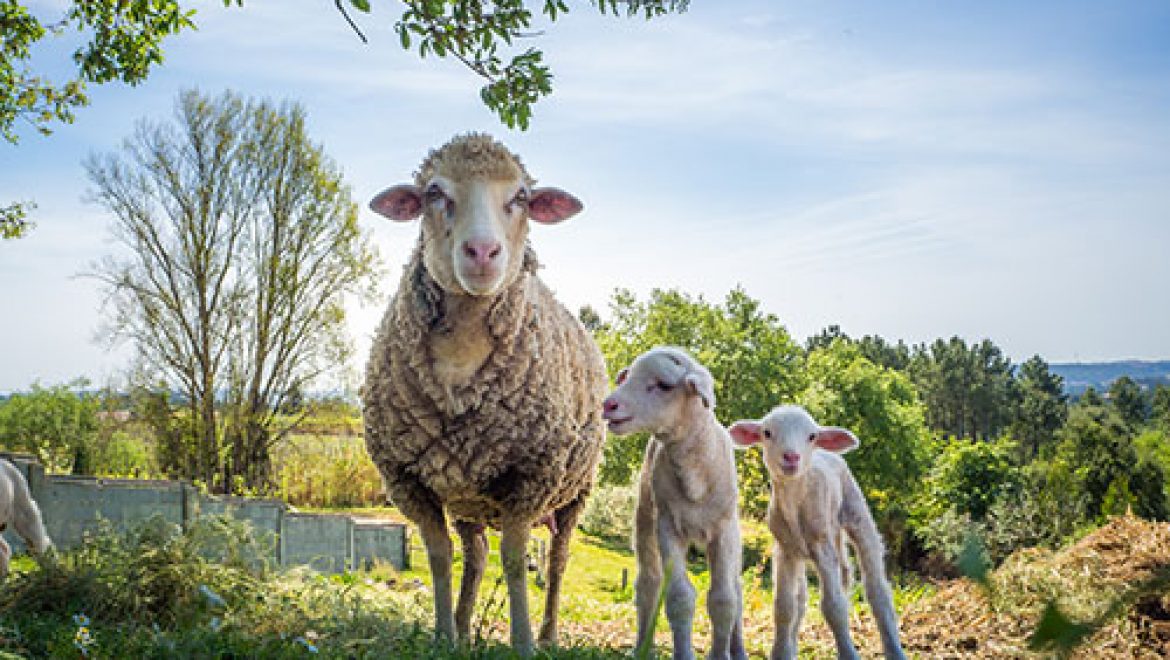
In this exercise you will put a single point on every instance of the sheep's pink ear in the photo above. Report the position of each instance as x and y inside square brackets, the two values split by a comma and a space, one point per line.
[552, 205]
[401, 203]
[622, 376]
[746, 432]
[835, 439]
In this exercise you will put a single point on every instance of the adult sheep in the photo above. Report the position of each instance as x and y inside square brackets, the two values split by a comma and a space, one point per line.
[482, 399]
[18, 508]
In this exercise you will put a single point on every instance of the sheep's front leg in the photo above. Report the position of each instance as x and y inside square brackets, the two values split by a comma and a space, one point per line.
[432, 526]
[871, 555]
[680, 593]
[474, 559]
[558, 558]
[5, 553]
[724, 599]
[648, 583]
[834, 604]
[790, 597]
[513, 545]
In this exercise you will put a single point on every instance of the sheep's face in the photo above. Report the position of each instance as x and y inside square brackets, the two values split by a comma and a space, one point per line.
[475, 199]
[789, 436]
[656, 393]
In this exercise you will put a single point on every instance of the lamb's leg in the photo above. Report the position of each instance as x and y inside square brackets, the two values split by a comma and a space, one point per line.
[724, 602]
[474, 559]
[870, 553]
[513, 545]
[790, 596]
[834, 604]
[26, 520]
[680, 593]
[558, 557]
[648, 582]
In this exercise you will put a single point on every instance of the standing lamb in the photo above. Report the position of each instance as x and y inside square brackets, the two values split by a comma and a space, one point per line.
[686, 494]
[482, 399]
[17, 507]
[814, 499]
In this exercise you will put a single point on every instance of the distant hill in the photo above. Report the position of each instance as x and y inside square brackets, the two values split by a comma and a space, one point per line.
[1079, 376]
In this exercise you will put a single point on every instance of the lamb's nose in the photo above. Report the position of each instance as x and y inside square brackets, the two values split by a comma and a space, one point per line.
[792, 458]
[610, 405]
[482, 252]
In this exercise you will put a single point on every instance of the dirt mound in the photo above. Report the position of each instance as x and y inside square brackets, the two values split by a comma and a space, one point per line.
[963, 620]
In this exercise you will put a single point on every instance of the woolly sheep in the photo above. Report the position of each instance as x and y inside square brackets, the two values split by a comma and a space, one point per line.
[814, 499]
[17, 507]
[482, 398]
[686, 494]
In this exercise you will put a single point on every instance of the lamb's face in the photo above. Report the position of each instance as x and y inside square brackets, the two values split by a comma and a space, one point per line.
[655, 392]
[789, 436]
[476, 201]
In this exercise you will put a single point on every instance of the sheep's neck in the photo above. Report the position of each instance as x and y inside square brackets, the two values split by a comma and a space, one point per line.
[691, 451]
[460, 352]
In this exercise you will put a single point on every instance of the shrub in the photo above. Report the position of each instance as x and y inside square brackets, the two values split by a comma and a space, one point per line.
[609, 514]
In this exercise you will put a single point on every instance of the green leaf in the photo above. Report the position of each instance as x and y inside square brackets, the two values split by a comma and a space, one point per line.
[1057, 632]
[361, 5]
[972, 561]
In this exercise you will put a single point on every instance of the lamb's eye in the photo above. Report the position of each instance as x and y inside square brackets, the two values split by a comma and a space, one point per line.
[812, 437]
[665, 387]
[767, 433]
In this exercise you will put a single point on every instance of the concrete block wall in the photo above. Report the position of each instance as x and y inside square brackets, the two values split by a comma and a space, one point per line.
[73, 506]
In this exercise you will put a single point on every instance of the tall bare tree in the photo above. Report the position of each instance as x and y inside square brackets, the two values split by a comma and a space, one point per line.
[241, 243]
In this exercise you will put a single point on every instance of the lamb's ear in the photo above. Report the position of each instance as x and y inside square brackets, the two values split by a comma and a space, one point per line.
[401, 203]
[746, 432]
[702, 386]
[552, 205]
[836, 439]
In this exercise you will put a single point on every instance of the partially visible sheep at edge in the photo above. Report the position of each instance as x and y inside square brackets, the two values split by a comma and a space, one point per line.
[686, 494]
[17, 507]
[482, 398]
[816, 507]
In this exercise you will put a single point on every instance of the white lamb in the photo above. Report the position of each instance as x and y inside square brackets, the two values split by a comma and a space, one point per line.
[686, 494]
[17, 507]
[814, 499]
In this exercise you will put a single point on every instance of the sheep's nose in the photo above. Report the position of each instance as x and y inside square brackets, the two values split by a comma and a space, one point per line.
[482, 252]
[791, 457]
[610, 405]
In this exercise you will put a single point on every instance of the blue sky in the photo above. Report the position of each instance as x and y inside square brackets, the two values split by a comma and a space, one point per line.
[910, 169]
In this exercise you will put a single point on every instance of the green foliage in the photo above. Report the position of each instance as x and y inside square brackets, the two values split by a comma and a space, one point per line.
[753, 359]
[57, 424]
[968, 390]
[1160, 407]
[881, 407]
[478, 36]
[1041, 407]
[14, 221]
[1128, 399]
[1097, 445]
[968, 476]
[609, 514]
[326, 472]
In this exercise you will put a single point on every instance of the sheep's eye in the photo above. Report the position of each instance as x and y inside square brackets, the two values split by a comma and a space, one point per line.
[767, 433]
[812, 437]
[665, 387]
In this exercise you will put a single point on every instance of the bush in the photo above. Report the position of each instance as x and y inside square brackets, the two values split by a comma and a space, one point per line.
[609, 513]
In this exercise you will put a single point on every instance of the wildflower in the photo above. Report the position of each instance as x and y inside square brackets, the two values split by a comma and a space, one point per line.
[83, 639]
[309, 646]
[80, 620]
[213, 599]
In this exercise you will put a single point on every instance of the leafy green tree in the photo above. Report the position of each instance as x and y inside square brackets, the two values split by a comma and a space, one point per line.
[1160, 406]
[243, 243]
[882, 408]
[1128, 399]
[967, 390]
[56, 424]
[968, 476]
[1098, 445]
[1041, 407]
[754, 362]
